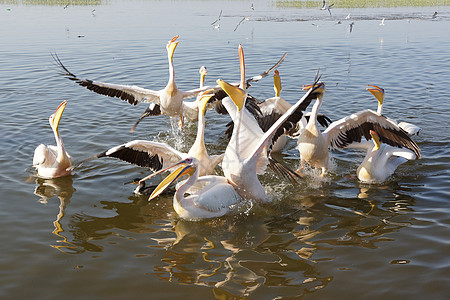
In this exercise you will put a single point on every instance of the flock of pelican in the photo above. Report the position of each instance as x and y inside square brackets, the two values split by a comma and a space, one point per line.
[257, 129]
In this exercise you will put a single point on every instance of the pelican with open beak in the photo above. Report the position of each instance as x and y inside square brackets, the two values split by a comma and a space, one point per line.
[209, 196]
[53, 161]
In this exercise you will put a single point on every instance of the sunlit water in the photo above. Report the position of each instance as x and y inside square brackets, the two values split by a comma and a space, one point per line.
[88, 236]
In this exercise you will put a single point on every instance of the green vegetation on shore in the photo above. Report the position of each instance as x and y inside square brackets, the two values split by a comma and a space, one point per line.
[54, 2]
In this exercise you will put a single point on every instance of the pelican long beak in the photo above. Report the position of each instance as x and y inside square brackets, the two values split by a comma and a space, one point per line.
[376, 139]
[377, 92]
[171, 46]
[242, 66]
[236, 94]
[58, 114]
[203, 99]
[175, 175]
[277, 83]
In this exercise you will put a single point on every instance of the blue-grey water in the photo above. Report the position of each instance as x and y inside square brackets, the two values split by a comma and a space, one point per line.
[88, 236]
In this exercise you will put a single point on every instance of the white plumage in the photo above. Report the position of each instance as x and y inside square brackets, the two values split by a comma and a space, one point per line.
[53, 161]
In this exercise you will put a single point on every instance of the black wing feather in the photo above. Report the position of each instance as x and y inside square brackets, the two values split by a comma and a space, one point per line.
[90, 85]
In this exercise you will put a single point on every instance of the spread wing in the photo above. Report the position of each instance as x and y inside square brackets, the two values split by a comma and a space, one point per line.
[131, 93]
[153, 155]
[344, 132]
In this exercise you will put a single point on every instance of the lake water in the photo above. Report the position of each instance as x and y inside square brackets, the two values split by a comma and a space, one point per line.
[89, 236]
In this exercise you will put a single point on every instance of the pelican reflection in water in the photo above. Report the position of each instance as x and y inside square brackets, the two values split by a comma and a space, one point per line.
[63, 189]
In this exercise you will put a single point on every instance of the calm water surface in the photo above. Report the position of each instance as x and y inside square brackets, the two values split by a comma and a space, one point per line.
[89, 236]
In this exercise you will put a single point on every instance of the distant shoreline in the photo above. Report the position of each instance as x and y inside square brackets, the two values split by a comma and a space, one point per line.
[362, 3]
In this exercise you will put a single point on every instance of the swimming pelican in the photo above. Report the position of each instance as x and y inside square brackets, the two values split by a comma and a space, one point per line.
[378, 92]
[313, 145]
[154, 109]
[156, 156]
[247, 152]
[53, 161]
[381, 160]
[169, 99]
[213, 197]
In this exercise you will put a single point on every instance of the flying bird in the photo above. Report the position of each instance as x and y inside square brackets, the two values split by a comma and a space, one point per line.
[218, 19]
[351, 26]
[244, 19]
[326, 7]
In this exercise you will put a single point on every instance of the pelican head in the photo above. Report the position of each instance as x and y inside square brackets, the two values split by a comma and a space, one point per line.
[171, 46]
[203, 99]
[56, 117]
[319, 91]
[187, 167]
[277, 83]
[235, 93]
[377, 92]
[203, 71]
[376, 139]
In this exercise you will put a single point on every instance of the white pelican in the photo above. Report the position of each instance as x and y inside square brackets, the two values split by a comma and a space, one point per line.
[192, 107]
[211, 197]
[156, 156]
[313, 145]
[381, 160]
[378, 92]
[169, 99]
[53, 161]
[247, 152]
